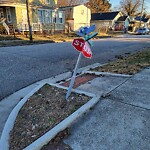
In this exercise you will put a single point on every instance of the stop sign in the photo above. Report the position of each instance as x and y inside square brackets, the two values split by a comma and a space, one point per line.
[82, 46]
[86, 51]
[78, 44]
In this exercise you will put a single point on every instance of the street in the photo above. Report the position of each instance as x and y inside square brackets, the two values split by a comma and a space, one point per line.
[21, 66]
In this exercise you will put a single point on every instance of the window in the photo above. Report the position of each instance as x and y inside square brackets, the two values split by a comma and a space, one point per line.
[44, 16]
[41, 16]
[48, 17]
[1, 13]
[54, 15]
[47, 2]
[8, 13]
[82, 12]
[60, 14]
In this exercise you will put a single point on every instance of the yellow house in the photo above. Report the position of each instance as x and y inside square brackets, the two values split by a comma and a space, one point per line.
[77, 16]
[43, 15]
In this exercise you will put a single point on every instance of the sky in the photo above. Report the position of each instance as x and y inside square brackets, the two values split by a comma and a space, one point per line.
[117, 2]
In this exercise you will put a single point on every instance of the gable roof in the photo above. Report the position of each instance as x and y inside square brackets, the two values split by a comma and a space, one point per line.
[143, 19]
[104, 15]
[122, 18]
[66, 7]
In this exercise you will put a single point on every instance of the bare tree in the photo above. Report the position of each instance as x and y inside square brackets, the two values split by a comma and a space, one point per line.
[62, 2]
[97, 6]
[71, 2]
[131, 7]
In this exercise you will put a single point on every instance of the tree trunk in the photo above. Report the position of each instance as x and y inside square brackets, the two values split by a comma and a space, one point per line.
[28, 17]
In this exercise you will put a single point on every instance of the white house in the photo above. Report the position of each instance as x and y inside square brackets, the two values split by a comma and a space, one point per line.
[76, 16]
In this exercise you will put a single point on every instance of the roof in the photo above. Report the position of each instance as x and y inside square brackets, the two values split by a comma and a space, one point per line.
[104, 15]
[143, 19]
[122, 18]
[66, 7]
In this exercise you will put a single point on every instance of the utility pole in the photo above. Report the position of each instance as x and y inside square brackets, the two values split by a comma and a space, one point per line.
[28, 17]
[141, 13]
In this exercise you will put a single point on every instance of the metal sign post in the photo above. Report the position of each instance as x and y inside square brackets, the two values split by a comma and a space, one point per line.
[73, 77]
[83, 46]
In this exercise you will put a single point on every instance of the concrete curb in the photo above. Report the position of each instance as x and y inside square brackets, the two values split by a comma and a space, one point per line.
[43, 140]
[39, 143]
[19, 94]
[4, 142]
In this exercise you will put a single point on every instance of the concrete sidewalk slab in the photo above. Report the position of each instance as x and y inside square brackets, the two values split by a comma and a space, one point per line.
[111, 125]
[120, 121]
[135, 91]
[102, 85]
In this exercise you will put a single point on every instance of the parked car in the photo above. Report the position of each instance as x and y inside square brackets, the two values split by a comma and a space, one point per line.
[142, 31]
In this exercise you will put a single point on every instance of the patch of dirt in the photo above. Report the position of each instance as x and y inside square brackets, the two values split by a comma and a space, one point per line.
[57, 143]
[80, 80]
[44, 110]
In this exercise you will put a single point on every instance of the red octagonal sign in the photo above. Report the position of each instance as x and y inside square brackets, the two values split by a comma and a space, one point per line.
[78, 44]
[82, 46]
[86, 51]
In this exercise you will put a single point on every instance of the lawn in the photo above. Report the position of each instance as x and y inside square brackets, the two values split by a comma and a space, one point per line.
[128, 65]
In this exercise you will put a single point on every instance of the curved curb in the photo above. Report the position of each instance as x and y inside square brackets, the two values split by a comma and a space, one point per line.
[4, 142]
[39, 143]
[11, 119]
[43, 140]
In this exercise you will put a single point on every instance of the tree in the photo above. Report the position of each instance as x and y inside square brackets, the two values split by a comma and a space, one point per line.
[97, 6]
[28, 17]
[70, 2]
[131, 7]
[62, 3]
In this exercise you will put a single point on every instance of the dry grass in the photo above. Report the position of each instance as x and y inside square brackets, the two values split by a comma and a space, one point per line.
[19, 40]
[43, 111]
[10, 40]
[128, 65]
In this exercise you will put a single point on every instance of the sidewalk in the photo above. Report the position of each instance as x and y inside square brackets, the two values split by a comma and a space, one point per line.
[119, 121]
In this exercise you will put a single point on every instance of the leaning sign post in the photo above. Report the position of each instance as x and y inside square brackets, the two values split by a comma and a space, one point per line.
[84, 47]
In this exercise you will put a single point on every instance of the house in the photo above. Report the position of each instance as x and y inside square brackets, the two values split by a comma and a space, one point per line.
[44, 16]
[144, 20]
[105, 20]
[76, 16]
[138, 21]
[122, 23]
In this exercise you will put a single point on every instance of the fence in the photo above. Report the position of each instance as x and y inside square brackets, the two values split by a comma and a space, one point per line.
[36, 28]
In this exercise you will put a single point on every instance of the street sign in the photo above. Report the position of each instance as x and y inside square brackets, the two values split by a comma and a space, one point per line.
[90, 29]
[87, 50]
[82, 45]
[78, 44]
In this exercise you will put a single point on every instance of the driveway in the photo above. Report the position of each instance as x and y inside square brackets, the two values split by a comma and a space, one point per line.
[21, 66]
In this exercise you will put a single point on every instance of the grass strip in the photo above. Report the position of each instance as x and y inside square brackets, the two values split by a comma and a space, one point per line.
[128, 65]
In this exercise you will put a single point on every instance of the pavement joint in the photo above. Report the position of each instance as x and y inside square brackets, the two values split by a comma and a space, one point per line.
[106, 94]
[129, 104]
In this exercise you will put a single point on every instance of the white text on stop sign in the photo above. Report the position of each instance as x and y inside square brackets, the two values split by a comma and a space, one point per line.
[76, 42]
[86, 49]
